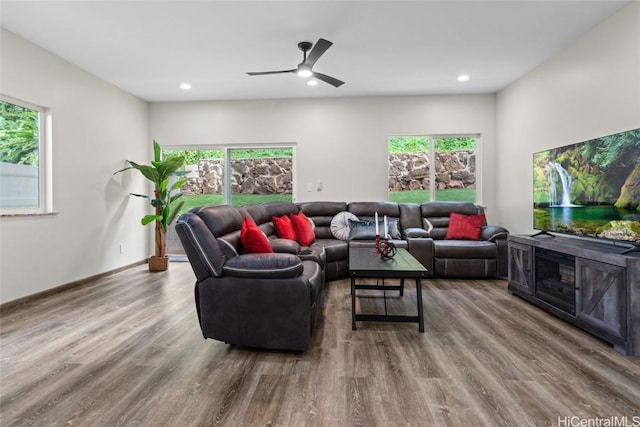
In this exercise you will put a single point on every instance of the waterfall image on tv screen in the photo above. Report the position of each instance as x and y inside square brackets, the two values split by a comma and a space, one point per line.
[591, 188]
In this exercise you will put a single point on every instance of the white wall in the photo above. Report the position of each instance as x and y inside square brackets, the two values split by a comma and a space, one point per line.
[590, 89]
[340, 141]
[96, 126]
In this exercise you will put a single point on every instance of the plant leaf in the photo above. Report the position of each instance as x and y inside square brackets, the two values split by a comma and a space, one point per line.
[158, 203]
[156, 151]
[125, 169]
[175, 197]
[148, 219]
[149, 172]
[140, 195]
[170, 166]
[179, 183]
[174, 212]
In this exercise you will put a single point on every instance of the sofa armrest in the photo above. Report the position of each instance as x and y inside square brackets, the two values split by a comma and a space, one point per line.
[314, 253]
[264, 266]
[414, 232]
[493, 233]
[423, 250]
[284, 246]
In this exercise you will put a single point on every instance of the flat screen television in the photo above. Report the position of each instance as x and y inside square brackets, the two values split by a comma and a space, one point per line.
[590, 189]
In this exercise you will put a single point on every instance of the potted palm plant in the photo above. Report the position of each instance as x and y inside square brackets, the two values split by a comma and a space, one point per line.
[164, 200]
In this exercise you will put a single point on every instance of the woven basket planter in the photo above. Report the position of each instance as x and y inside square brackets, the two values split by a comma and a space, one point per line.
[158, 263]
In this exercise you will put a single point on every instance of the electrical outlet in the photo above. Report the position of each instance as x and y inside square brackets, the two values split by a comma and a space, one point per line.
[310, 186]
[121, 248]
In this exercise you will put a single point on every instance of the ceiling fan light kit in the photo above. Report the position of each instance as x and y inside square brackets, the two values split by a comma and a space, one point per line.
[305, 68]
[304, 71]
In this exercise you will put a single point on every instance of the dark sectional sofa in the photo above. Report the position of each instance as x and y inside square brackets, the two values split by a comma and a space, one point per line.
[273, 300]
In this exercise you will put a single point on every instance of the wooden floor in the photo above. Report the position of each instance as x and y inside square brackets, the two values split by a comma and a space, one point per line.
[127, 350]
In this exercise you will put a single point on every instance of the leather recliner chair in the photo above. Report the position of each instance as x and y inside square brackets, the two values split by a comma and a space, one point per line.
[268, 301]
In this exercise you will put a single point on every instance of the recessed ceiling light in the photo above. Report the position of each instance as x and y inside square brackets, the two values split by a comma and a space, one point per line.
[312, 82]
[185, 86]
[463, 78]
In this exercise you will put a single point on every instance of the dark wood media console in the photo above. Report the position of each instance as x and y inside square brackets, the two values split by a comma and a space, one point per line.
[587, 283]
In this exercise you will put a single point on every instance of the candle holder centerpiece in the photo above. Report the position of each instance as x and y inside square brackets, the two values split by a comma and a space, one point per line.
[387, 249]
[383, 247]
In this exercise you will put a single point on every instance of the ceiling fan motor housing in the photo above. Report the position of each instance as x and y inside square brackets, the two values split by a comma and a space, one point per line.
[305, 46]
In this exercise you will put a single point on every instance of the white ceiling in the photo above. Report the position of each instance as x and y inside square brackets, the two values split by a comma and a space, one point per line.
[380, 47]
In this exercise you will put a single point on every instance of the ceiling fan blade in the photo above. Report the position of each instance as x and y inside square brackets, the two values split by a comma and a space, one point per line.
[316, 52]
[328, 79]
[260, 73]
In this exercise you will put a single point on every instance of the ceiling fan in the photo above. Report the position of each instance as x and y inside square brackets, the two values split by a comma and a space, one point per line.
[304, 68]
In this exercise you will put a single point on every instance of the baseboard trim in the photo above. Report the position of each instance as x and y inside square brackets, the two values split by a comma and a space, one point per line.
[48, 292]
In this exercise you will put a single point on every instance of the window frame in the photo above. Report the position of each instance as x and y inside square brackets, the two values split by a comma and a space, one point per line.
[432, 155]
[227, 149]
[45, 187]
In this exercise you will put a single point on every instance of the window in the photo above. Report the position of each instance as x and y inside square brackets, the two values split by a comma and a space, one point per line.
[256, 175]
[24, 187]
[259, 175]
[427, 168]
[234, 176]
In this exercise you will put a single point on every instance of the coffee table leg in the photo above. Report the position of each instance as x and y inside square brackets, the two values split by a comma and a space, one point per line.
[353, 303]
[420, 311]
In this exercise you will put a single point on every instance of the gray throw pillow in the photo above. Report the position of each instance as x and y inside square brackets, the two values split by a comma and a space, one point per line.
[394, 230]
[340, 225]
[364, 230]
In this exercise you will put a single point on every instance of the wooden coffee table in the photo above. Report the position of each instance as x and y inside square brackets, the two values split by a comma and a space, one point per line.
[364, 264]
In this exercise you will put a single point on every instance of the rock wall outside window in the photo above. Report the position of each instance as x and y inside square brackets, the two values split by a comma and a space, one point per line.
[407, 171]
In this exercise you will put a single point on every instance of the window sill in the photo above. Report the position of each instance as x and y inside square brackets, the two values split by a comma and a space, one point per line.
[26, 214]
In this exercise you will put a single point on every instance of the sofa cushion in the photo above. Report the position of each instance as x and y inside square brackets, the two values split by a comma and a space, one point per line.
[258, 213]
[221, 219]
[428, 225]
[284, 227]
[322, 213]
[413, 232]
[444, 209]
[304, 229]
[464, 249]
[227, 248]
[464, 227]
[329, 209]
[438, 215]
[368, 209]
[280, 208]
[253, 239]
[340, 225]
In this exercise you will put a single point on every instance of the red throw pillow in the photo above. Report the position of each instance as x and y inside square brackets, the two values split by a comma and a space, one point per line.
[303, 228]
[284, 228]
[253, 239]
[464, 227]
